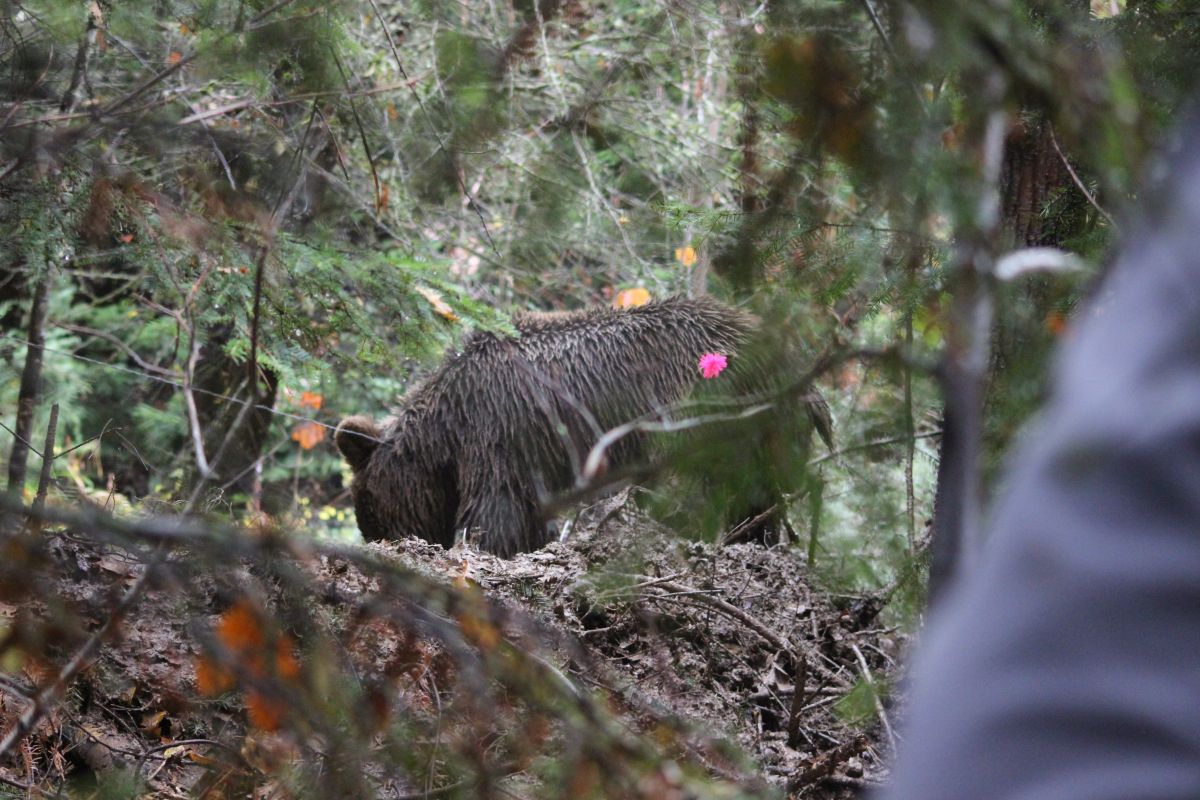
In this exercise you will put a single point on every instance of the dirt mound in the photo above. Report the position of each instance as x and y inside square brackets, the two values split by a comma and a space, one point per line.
[623, 662]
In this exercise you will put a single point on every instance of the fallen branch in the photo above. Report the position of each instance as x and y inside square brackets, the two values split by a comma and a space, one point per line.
[821, 766]
[870, 682]
[730, 610]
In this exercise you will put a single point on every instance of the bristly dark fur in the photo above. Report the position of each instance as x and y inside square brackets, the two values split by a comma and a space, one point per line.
[509, 420]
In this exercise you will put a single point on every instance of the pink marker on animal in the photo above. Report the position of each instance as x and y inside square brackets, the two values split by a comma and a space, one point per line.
[712, 364]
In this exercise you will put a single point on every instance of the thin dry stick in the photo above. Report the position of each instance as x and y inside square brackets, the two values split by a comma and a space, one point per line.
[874, 443]
[437, 137]
[283, 204]
[827, 762]
[870, 681]
[1078, 183]
[362, 132]
[772, 638]
[193, 414]
[883, 37]
[799, 698]
[168, 382]
[129, 351]
[47, 460]
[79, 74]
[737, 532]
[596, 455]
[910, 447]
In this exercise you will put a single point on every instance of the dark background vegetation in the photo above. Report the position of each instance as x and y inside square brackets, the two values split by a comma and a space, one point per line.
[226, 225]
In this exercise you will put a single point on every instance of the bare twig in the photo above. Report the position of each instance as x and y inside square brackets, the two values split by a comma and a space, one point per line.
[890, 440]
[737, 532]
[47, 459]
[201, 116]
[25, 442]
[362, 132]
[437, 137]
[193, 415]
[728, 609]
[799, 698]
[595, 458]
[79, 73]
[869, 680]
[1079, 183]
[129, 351]
[824, 764]
[910, 445]
[282, 205]
[878, 25]
[166, 382]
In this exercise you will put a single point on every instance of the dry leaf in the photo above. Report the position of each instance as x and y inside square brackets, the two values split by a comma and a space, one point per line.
[440, 306]
[628, 298]
[265, 713]
[308, 434]
[685, 255]
[151, 721]
[211, 678]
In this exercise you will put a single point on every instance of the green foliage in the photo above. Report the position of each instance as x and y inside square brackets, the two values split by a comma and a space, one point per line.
[547, 157]
[322, 198]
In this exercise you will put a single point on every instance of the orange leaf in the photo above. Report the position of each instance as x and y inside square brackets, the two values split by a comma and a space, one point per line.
[310, 400]
[152, 721]
[287, 666]
[240, 628]
[1056, 323]
[628, 298]
[685, 255]
[265, 713]
[479, 631]
[308, 434]
[211, 678]
[175, 57]
[440, 306]
[381, 201]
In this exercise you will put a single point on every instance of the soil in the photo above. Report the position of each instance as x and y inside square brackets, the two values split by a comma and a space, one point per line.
[728, 644]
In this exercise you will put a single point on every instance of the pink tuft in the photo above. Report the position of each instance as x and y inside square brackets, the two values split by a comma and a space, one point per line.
[712, 364]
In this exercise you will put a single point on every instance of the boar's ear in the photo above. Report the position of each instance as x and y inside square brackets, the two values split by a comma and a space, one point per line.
[356, 439]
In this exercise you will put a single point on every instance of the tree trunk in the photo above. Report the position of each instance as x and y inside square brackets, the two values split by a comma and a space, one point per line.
[1032, 176]
[31, 385]
[233, 446]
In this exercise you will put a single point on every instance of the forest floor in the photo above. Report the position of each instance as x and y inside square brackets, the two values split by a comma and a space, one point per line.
[733, 643]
